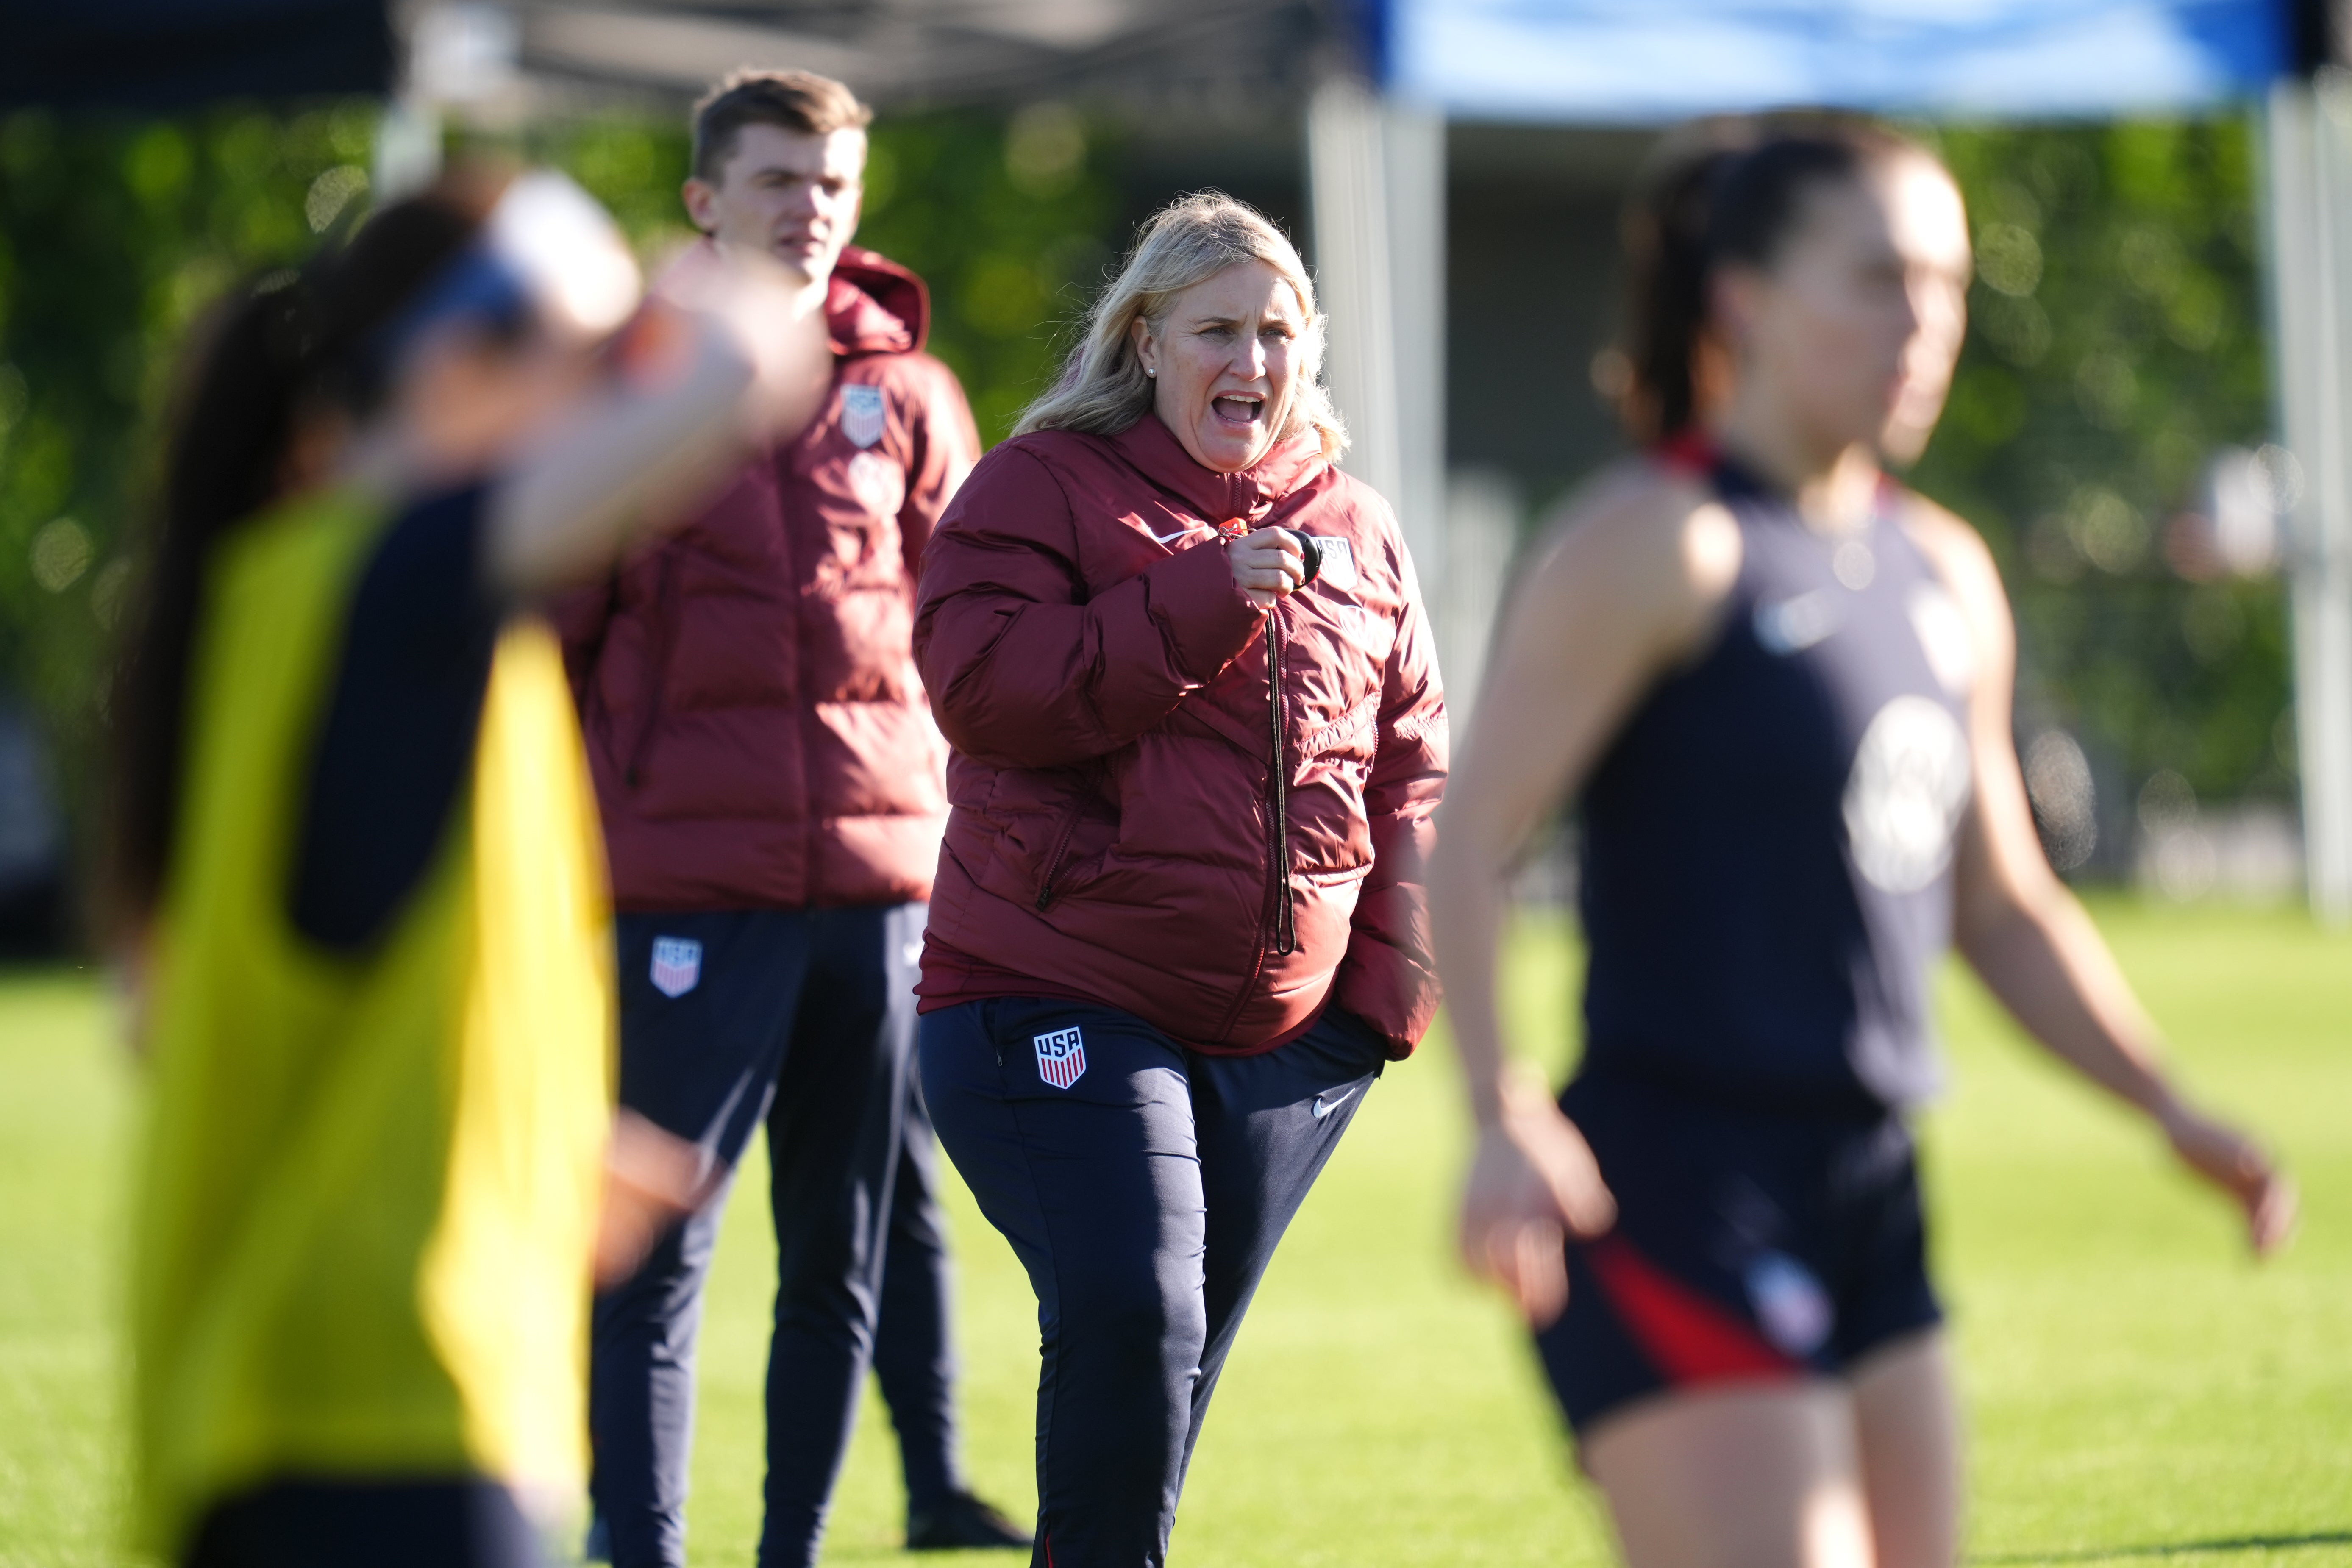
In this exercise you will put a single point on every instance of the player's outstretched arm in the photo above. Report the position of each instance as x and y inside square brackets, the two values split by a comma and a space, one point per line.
[2030, 940]
[729, 357]
[1627, 586]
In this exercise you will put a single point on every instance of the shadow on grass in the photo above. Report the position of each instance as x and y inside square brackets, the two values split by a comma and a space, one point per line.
[2176, 1548]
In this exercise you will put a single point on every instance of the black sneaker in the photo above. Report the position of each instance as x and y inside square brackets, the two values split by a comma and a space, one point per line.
[962, 1521]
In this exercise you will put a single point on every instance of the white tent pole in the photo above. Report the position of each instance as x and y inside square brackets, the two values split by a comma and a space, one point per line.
[1376, 172]
[2308, 171]
[407, 149]
[1347, 168]
[1416, 191]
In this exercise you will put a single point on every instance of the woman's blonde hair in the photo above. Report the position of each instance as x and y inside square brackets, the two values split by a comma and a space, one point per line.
[1102, 388]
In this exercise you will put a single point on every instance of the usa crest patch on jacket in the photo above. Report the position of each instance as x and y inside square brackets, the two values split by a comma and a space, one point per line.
[861, 414]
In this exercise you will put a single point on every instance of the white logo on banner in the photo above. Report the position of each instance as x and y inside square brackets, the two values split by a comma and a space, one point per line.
[1903, 800]
[678, 964]
[861, 414]
[1061, 1057]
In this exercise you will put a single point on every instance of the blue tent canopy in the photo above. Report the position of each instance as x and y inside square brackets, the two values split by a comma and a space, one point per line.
[1650, 60]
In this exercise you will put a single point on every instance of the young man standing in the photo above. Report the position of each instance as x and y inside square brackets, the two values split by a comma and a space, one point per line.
[771, 787]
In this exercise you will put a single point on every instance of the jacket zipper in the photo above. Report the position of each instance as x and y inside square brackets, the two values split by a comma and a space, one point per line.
[667, 623]
[1241, 997]
[1277, 909]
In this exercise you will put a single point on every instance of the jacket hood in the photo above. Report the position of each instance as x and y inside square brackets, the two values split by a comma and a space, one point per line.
[873, 305]
[1152, 450]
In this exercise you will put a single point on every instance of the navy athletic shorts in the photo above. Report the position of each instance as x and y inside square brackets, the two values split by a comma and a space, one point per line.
[1750, 1246]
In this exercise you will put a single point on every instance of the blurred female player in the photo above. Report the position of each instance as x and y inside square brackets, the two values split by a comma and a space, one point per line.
[1779, 685]
[356, 848]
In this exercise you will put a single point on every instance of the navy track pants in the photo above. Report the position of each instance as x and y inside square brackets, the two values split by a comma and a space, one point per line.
[1144, 1187]
[804, 1019]
[914, 1344]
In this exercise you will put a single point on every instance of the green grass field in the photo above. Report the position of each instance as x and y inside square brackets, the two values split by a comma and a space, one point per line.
[2135, 1387]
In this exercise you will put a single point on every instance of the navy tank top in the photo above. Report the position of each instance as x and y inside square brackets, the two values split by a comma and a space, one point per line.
[1768, 845]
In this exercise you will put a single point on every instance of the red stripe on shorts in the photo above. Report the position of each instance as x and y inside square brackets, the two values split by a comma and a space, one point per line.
[1688, 1337]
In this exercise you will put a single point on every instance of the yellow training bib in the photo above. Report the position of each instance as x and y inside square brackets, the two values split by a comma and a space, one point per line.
[369, 1194]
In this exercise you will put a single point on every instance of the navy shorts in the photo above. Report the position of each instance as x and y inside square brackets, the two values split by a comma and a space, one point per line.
[1750, 1246]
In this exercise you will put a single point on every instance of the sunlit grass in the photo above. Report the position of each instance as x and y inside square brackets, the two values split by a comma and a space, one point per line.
[2136, 1387]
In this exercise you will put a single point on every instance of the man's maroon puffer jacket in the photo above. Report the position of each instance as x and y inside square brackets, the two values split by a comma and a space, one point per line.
[1119, 832]
[755, 726]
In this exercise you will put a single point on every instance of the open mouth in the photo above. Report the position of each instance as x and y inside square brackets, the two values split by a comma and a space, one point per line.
[1238, 408]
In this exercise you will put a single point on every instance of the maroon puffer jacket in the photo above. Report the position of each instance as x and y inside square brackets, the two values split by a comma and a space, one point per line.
[755, 725]
[1117, 833]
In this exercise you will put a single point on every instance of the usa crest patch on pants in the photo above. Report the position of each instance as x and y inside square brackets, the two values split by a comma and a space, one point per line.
[1061, 1057]
[678, 964]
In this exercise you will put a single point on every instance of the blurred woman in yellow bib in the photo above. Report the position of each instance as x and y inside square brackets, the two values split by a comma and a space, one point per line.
[355, 850]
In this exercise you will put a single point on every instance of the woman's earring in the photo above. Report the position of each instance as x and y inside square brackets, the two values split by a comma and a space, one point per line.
[1151, 373]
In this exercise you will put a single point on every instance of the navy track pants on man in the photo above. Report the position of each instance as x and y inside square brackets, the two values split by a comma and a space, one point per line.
[1144, 1187]
[802, 1019]
[913, 1343]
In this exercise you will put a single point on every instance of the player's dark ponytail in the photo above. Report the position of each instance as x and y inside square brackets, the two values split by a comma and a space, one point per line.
[1667, 284]
[1732, 201]
[279, 344]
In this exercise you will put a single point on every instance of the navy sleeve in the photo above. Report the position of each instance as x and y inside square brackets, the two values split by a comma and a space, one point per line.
[397, 744]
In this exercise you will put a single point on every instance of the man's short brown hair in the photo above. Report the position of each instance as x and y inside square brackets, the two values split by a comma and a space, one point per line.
[803, 101]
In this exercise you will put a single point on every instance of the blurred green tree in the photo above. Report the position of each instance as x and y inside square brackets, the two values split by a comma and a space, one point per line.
[2116, 340]
[1006, 218]
[2116, 343]
[116, 233]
